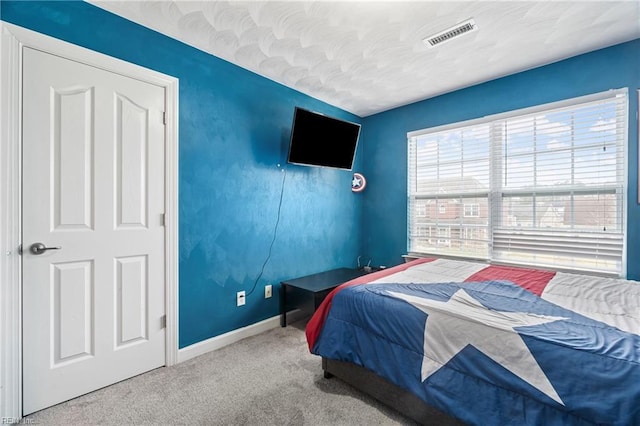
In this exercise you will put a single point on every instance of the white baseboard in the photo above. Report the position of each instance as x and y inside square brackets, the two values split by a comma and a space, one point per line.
[226, 339]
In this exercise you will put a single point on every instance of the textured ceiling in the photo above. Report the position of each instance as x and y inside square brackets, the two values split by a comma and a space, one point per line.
[368, 56]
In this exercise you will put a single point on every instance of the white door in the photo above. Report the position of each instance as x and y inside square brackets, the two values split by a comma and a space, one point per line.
[93, 195]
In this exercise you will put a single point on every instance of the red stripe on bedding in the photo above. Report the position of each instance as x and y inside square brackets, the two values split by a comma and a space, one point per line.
[532, 280]
[314, 326]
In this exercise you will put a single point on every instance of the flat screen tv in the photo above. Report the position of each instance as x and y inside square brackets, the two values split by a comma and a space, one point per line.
[319, 140]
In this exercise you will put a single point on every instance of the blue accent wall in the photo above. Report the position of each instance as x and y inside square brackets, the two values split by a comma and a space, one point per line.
[385, 137]
[233, 132]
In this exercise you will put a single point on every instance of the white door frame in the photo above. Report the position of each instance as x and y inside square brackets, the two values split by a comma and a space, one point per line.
[12, 41]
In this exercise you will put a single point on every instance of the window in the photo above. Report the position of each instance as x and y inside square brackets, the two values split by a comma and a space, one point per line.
[472, 210]
[443, 236]
[543, 186]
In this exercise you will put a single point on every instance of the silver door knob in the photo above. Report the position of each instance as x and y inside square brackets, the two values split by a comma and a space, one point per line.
[39, 248]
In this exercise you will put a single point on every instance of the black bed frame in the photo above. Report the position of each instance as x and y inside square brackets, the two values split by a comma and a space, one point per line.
[386, 392]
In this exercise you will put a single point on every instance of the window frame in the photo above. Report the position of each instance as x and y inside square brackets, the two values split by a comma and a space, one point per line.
[474, 209]
[538, 109]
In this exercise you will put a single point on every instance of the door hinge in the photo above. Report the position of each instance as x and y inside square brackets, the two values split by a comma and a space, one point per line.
[163, 219]
[163, 321]
[164, 118]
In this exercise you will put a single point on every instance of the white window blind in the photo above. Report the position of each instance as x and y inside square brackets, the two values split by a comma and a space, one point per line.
[449, 182]
[543, 187]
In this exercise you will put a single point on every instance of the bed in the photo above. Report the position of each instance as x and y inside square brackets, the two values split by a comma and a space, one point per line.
[449, 342]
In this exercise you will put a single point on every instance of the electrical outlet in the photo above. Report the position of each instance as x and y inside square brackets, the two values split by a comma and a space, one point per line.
[267, 291]
[240, 298]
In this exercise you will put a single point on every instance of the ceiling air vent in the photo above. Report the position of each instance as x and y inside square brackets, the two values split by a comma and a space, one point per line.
[449, 34]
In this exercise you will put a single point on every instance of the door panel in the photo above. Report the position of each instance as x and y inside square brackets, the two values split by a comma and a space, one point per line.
[131, 298]
[93, 179]
[131, 145]
[72, 132]
[72, 311]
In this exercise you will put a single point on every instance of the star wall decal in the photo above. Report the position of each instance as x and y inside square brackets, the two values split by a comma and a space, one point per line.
[462, 321]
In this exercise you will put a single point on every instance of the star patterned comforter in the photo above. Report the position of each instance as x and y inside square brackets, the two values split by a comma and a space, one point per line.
[491, 344]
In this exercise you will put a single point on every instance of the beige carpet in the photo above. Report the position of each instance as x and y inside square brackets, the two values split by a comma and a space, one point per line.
[268, 379]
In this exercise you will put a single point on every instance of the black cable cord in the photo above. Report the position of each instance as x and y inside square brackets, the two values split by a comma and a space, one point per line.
[275, 233]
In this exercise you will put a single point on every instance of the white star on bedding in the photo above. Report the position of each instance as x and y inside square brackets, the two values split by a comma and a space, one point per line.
[462, 321]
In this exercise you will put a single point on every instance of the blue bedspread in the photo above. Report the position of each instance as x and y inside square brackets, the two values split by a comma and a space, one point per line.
[488, 352]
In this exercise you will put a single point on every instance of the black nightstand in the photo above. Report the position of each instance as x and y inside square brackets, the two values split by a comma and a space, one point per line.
[307, 293]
